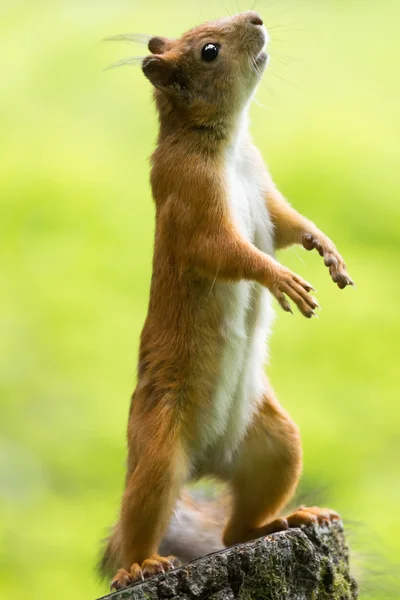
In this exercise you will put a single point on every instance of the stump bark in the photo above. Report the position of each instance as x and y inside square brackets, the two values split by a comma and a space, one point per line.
[297, 564]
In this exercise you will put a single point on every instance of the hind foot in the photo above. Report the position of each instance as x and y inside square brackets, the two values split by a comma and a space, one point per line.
[151, 566]
[304, 515]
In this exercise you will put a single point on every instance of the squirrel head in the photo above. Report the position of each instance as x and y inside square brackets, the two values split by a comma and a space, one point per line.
[211, 72]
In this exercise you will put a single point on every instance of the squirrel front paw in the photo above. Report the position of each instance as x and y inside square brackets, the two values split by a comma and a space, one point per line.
[287, 283]
[331, 256]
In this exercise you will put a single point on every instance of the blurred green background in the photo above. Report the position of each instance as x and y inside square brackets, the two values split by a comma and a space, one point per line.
[76, 231]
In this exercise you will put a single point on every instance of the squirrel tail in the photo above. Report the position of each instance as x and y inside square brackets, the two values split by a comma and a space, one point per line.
[195, 529]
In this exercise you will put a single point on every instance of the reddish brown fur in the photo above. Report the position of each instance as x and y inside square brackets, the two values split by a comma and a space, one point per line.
[196, 243]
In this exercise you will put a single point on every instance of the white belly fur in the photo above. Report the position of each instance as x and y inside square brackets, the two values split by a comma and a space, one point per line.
[247, 318]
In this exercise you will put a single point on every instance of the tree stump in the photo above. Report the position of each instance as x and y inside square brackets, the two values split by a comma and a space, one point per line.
[297, 564]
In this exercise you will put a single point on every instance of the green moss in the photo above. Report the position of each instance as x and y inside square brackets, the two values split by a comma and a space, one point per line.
[334, 581]
[276, 576]
[265, 580]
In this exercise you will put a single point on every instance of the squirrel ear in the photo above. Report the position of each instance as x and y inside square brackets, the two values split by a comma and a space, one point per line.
[158, 70]
[159, 45]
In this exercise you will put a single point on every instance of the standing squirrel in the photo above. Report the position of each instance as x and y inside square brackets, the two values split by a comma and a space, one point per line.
[203, 405]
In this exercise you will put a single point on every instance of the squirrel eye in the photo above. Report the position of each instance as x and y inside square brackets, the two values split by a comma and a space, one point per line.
[210, 52]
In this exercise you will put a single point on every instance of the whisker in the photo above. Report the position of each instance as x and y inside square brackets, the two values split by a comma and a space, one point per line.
[137, 38]
[252, 61]
[282, 60]
[282, 13]
[289, 30]
[260, 104]
[132, 60]
[284, 63]
[279, 27]
[275, 39]
[300, 258]
[213, 284]
[254, 66]
[259, 75]
[274, 3]
[225, 9]
[284, 79]
[283, 54]
[285, 23]
[292, 62]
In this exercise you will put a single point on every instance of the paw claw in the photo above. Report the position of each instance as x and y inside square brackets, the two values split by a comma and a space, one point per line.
[158, 564]
[314, 303]
[280, 524]
[121, 580]
[175, 562]
[291, 285]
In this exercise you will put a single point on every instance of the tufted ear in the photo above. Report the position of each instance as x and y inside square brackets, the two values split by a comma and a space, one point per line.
[159, 45]
[159, 71]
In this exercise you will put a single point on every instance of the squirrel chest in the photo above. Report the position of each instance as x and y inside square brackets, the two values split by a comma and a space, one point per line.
[246, 314]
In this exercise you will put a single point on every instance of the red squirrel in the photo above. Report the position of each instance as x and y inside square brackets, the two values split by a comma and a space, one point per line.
[203, 405]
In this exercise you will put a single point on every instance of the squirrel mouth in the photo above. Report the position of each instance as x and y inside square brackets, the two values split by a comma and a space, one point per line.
[261, 58]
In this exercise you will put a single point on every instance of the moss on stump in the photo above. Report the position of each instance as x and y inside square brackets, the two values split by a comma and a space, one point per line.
[306, 564]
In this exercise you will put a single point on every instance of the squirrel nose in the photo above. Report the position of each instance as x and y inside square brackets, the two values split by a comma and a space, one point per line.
[255, 18]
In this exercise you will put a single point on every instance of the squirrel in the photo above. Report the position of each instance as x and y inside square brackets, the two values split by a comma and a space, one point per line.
[203, 405]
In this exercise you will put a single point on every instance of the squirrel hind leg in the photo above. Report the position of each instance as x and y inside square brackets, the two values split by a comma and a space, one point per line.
[266, 473]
